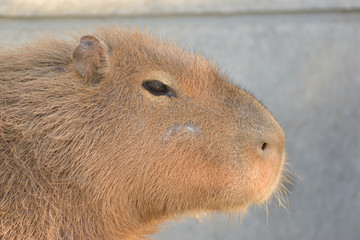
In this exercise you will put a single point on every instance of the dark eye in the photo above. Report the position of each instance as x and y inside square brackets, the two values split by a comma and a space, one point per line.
[157, 88]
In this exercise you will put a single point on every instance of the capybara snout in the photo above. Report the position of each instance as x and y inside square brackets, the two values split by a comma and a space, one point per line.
[106, 136]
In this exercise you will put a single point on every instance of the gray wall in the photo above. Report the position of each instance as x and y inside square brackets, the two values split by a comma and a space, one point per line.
[16, 8]
[302, 60]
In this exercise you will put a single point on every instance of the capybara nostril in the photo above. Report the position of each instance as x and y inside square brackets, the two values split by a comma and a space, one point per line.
[274, 145]
[263, 146]
[271, 149]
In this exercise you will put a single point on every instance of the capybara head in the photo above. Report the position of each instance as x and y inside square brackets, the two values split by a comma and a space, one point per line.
[107, 135]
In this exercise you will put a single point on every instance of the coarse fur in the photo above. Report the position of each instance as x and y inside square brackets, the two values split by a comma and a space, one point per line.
[86, 152]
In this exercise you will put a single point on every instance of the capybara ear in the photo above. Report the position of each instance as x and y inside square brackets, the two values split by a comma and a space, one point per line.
[89, 58]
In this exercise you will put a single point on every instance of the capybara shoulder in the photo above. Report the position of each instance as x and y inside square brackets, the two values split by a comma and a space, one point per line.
[110, 134]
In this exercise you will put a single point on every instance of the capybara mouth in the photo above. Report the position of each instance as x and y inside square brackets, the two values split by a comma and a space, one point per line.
[272, 182]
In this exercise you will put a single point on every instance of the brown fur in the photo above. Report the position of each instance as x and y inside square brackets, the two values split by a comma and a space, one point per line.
[86, 152]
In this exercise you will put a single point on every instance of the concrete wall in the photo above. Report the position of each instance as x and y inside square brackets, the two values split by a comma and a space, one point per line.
[154, 7]
[305, 66]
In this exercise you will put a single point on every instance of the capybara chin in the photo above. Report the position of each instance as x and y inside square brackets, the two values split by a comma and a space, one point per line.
[108, 135]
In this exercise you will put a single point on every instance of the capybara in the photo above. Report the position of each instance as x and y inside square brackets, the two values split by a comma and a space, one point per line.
[105, 136]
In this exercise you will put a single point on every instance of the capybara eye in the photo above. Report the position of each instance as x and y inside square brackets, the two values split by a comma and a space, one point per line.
[157, 88]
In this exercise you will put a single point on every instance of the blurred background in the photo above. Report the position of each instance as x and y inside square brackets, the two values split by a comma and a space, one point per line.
[301, 58]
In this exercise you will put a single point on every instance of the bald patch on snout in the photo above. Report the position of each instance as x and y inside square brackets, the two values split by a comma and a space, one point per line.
[187, 128]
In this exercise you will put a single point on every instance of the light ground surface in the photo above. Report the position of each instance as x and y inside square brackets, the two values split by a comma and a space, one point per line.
[306, 70]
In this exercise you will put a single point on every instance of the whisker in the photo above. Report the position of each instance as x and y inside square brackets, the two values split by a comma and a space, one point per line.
[267, 213]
